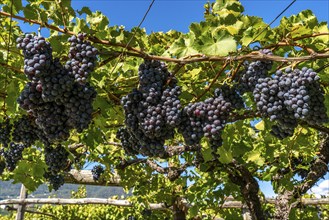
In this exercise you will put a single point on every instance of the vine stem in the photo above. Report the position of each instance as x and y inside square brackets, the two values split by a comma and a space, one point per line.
[251, 56]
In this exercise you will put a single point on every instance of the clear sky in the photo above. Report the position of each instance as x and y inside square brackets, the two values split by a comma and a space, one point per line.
[179, 14]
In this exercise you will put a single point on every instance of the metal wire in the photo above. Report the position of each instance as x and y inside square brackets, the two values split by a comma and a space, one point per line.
[131, 38]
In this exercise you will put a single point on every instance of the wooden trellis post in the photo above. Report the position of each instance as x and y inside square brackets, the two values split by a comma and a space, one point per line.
[246, 214]
[21, 207]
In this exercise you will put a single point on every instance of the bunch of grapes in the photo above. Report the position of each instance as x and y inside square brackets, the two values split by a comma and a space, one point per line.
[37, 55]
[171, 105]
[26, 131]
[287, 98]
[82, 58]
[152, 111]
[78, 105]
[52, 120]
[56, 158]
[30, 98]
[5, 130]
[55, 180]
[134, 138]
[129, 142]
[303, 95]
[217, 111]
[57, 99]
[97, 171]
[13, 154]
[253, 71]
[208, 118]
[56, 83]
[284, 128]
[57, 161]
[231, 95]
[153, 76]
[267, 98]
[192, 123]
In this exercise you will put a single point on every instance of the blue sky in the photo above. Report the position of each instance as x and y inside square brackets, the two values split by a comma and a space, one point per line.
[179, 14]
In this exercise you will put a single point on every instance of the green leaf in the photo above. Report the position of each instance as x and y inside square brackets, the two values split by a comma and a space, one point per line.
[225, 156]
[223, 8]
[219, 43]
[30, 12]
[193, 210]
[207, 154]
[84, 10]
[183, 46]
[97, 20]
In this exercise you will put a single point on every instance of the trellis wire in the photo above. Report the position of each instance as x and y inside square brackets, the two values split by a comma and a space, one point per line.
[129, 41]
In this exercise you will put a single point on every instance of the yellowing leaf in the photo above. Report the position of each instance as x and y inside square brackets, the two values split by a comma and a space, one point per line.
[255, 157]
[260, 125]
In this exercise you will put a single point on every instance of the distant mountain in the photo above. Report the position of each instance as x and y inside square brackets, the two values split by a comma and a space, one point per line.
[10, 190]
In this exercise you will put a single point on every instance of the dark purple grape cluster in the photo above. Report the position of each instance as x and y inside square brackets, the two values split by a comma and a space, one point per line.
[192, 123]
[57, 100]
[129, 142]
[82, 58]
[152, 111]
[55, 180]
[153, 75]
[52, 120]
[284, 129]
[5, 131]
[217, 113]
[57, 161]
[97, 171]
[13, 154]
[303, 95]
[253, 71]
[78, 105]
[267, 98]
[37, 55]
[25, 131]
[56, 83]
[171, 105]
[231, 95]
[56, 158]
[208, 118]
[287, 98]
[30, 97]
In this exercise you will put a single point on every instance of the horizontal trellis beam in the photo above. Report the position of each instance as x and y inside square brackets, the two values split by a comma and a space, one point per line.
[127, 203]
[84, 201]
[85, 177]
